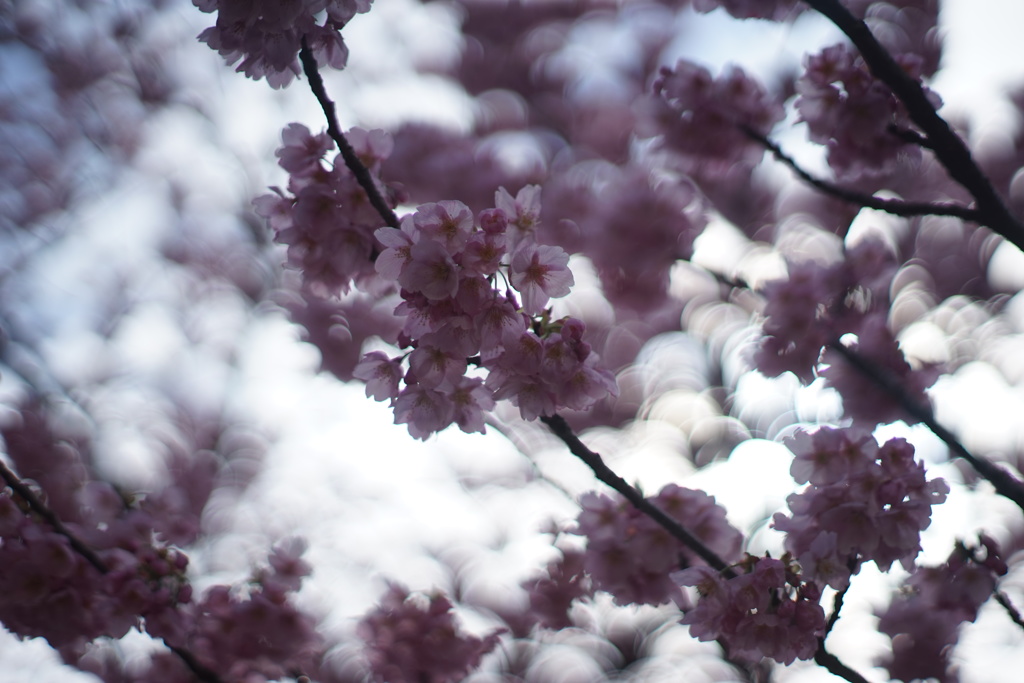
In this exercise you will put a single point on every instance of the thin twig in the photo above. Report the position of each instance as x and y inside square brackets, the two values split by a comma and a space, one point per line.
[355, 165]
[1004, 483]
[38, 507]
[1004, 600]
[897, 207]
[949, 149]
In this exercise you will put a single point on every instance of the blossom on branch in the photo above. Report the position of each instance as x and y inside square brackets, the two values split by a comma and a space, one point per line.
[865, 503]
[264, 36]
[633, 558]
[415, 638]
[769, 610]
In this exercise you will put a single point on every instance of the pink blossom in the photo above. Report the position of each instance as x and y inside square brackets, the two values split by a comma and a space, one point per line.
[398, 249]
[632, 557]
[924, 618]
[430, 271]
[435, 369]
[522, 213]
[552, 594]
[415, 638]
[264, 36]
[423, 410]
[869, 502]
[471, 400]
[448, 222]
[769, 610]
[302, 152]
[381, 375]
[540, 272]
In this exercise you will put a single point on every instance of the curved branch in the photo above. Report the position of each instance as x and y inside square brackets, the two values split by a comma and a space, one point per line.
[949, 149]
[896, 207]
[1004, 483]
[563, 431]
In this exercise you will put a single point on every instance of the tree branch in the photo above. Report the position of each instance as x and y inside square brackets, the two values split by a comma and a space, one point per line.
[950, 150]
[36, 505]
[355, 165]
[896, 207]
[1004, 483]
[1012, 611]
[834, 665]
[563, 431]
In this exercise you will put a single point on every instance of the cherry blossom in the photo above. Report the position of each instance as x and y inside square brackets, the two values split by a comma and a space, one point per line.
[540, 273]
[411, 638]
[865, 503]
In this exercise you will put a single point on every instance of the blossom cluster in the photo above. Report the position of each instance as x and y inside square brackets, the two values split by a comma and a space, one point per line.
[852, 113]
[49, 590]
[265, 36]
[820, 303]
[325, 219]
[865, 502]
[709, 114]
[253, 632]
[563, 582]
[632, 557]
[415, 638]
[924, 618]
[769, 610]
[447, 263]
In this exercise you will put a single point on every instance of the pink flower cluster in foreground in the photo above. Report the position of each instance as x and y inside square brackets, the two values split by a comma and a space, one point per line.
[769, 610]
[633, 557]
[415, 639]
[923, 619]
[447, 264]
[264, 36]
[865, 503]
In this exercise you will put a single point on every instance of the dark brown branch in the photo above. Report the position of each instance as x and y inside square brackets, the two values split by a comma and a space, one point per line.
[950, 150]
[355, 165]
[563, 431]
[1003, 600]
[1004, 483]
[837, 606]
[911, 137]
[896, 207]
[834, 665]
[37, 506]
